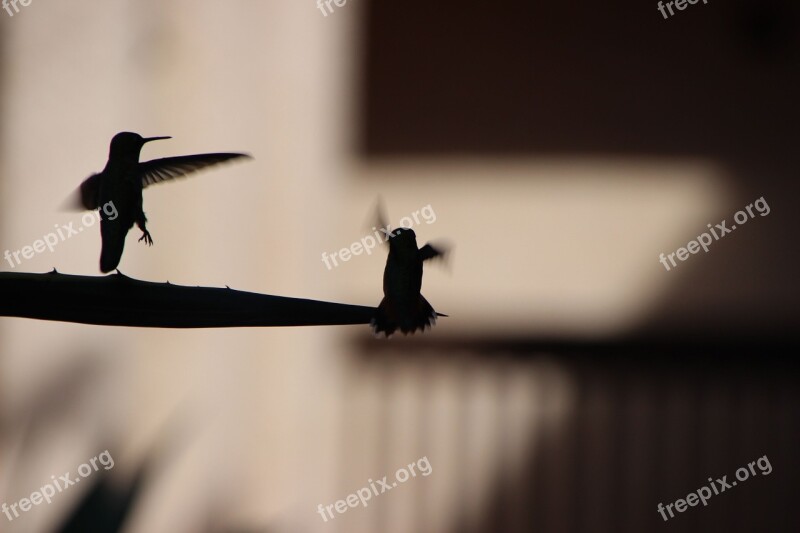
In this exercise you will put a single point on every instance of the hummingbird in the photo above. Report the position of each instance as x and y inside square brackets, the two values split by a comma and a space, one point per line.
[120, 186]
[403, 305]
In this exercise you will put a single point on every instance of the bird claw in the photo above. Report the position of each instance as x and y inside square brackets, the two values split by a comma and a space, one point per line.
[146, 238]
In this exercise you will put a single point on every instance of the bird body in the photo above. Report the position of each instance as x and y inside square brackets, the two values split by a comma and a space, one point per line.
[120, 185]
[403, 307]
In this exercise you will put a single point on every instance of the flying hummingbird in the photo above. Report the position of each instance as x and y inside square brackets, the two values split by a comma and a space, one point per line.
[120, 186]
[403, 305]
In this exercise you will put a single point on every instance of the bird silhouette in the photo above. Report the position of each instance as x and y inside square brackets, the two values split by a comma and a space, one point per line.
[117, 191]
[403, 306]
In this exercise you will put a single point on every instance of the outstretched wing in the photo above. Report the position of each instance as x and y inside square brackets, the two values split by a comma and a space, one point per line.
[168, 168]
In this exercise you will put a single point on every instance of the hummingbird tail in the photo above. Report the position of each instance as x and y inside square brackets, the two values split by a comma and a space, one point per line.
[113, 244]
[408, 317]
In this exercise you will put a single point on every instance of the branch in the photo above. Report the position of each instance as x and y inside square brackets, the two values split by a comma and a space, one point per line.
[118, 300]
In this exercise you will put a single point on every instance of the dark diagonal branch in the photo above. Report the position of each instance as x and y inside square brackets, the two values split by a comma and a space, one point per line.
[118, 300]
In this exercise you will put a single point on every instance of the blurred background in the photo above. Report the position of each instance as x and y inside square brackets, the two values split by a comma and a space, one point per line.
[563, 147]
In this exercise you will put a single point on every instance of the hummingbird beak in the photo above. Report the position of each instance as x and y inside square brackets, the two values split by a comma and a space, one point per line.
[148, 139]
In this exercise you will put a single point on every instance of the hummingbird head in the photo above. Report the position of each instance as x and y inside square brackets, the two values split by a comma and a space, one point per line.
[403, 241]
[127, 143]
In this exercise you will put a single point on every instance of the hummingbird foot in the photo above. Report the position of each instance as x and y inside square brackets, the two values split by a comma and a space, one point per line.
[146, 238]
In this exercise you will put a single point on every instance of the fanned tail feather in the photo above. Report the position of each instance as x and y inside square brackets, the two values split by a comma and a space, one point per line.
[407, 317]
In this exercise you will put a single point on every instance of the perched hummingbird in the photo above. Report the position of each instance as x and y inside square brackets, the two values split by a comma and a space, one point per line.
[403, 305]
[120, 186]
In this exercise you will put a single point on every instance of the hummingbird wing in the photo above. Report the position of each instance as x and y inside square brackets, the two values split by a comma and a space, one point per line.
[87, 196]
[380, 219]
[429, 252]
[168, 168]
